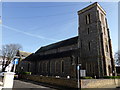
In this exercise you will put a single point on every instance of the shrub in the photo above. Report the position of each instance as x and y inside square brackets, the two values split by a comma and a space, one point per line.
[26, 73]
[111, 77]
[86, 78]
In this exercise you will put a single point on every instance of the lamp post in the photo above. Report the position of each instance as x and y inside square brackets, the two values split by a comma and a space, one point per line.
[78, 72]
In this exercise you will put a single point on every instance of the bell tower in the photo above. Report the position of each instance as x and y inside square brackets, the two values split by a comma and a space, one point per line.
[94, 42]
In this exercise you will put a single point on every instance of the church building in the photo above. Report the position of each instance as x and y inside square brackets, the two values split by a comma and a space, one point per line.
[92, 49]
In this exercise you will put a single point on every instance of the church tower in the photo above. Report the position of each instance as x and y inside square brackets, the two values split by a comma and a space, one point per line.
[94, 42]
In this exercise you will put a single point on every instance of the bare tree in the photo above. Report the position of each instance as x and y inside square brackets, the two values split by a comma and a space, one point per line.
[8, 52]
[117, 57]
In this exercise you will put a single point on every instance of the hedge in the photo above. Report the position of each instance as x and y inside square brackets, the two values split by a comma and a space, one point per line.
[111, 77]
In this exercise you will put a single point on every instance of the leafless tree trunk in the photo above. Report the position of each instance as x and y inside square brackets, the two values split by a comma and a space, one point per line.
[117, 57]
[8, 52]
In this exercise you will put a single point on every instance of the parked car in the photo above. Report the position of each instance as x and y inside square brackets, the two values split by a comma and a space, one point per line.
[16, 76]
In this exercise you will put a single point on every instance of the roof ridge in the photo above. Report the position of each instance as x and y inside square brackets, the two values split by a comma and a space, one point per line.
[60, 41]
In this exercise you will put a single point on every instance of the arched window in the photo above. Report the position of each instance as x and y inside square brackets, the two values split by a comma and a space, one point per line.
[102, 18]
[106, 48]
[81, 44]
[73, 60]
[88, 30]
[42, 66]
[88, 19]
[28, 67]
[109, 70]
[89, 46]
[50, 67]
[38, 67]
[47, 66]
[62, 66]
[56, 66]
[104, 30]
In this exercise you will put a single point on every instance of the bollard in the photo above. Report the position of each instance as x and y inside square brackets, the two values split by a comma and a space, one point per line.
[8, 80]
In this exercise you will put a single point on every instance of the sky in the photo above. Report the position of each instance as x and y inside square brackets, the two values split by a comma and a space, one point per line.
[0, 25]
[36, 24]
[118, 26]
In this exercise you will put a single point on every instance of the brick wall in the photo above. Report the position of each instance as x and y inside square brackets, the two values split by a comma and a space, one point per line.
[85, 83]
[52, 80]
[99, 83]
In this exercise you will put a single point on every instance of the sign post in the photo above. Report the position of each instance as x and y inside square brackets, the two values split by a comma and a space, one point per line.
[78, 71]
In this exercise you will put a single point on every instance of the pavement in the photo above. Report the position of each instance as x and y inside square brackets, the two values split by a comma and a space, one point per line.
[118, 84]
[36, 85]
[23, 84]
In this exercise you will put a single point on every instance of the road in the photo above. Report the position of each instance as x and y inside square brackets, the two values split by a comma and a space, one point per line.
[24, 84]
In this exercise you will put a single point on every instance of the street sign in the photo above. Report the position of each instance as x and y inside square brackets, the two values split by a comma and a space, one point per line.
[83, 73]
[15, 61]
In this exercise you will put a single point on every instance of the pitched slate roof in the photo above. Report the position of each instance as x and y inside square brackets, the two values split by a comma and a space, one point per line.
[63, 43]
[22, 54]
[34, 57]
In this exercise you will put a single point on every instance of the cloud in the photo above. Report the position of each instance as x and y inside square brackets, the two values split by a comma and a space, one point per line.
[60, 0]
[29, 34]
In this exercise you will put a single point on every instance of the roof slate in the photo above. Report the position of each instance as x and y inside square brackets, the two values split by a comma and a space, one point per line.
[37, 56]
[63, 43]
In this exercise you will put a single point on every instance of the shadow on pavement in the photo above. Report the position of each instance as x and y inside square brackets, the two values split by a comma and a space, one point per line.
[45, 85]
